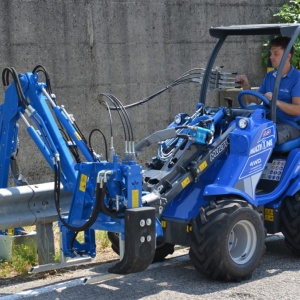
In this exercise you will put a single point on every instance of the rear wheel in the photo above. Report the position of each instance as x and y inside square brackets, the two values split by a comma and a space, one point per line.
[290, 223]
[227, 241]
[161, 251]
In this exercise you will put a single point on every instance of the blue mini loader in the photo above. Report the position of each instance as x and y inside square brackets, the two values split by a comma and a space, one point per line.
[218, 184]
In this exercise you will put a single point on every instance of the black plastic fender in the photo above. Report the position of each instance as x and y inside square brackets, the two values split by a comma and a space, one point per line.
[140, 241]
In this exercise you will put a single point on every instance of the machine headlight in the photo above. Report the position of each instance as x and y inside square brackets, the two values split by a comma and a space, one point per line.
[242, 123]
[178, 119]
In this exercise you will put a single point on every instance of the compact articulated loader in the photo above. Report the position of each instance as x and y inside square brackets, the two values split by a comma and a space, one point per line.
[218, 184]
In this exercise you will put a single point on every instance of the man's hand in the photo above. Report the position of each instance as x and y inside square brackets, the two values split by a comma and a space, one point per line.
[268, 95]
[243, 81]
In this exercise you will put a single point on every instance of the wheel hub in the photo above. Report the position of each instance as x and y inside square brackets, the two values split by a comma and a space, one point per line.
[242, 242]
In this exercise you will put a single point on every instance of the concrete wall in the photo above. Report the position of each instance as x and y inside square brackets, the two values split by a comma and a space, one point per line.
[128, 48]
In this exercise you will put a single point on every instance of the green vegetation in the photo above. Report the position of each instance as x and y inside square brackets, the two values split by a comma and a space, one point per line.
[22, 259]
[288, 13]
[24, 256]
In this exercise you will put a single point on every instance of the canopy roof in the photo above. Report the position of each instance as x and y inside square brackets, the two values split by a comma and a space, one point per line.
[254, 29]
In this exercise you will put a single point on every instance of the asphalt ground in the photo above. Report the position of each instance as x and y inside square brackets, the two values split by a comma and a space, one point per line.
[277, 277]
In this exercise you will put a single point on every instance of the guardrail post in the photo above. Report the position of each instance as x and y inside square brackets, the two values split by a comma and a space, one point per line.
[45, 243]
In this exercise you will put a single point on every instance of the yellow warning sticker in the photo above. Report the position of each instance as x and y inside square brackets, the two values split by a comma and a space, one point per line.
[269, 214]
[185, 182]
[203, 166]
[77, 136]
[163, 224]
[83, 180]
[189, 228]
[135, 198]
[10, 231]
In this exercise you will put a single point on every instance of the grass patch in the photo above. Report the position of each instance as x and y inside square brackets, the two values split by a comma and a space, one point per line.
[102, 240]
[24, 257]
[6, 269]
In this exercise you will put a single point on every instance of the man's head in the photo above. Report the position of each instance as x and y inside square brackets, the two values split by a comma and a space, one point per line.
[277, 47]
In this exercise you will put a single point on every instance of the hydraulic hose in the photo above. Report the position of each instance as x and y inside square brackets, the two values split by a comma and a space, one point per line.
[94, 213]
[100, 195]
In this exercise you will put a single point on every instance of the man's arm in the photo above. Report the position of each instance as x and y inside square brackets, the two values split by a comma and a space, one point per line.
[292, 109]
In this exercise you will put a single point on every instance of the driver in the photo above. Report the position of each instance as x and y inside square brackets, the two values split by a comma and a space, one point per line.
[288, 103]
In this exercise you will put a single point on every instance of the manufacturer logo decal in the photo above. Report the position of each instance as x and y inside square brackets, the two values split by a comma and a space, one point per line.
[267, 133]
[265, 144]
[216, 152]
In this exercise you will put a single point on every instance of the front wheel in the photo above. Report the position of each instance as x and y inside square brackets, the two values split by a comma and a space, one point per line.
[227, 241]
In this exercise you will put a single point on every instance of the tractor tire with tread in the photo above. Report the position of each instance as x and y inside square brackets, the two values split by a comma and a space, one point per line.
[227, 241]
[290, 223]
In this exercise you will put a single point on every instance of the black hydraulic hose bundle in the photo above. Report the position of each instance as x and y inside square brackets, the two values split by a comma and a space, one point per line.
[100, 193]
[23, 102]
[191, 76]
[104, 139]
[40, 68]
[118, 105]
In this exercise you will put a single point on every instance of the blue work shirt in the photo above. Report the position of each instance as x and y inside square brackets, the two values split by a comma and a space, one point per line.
[289, 88]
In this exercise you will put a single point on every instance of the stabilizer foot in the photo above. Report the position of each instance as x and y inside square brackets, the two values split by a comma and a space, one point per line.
[140, 241]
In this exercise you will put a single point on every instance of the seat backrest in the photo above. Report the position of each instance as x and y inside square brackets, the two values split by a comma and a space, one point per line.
[288, 146]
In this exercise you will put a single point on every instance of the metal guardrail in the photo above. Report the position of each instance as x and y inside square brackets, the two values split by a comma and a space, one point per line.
[30, 205]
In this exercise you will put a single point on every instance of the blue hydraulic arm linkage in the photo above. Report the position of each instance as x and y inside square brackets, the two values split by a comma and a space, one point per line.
[106, 195]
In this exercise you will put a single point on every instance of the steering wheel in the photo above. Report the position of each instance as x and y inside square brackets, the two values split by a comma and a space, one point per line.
[265, 101]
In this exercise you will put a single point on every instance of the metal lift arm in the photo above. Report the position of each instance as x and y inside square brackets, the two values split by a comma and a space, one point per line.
[105, 194]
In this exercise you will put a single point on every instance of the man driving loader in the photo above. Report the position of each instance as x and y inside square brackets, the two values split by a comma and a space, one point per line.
[288, 103]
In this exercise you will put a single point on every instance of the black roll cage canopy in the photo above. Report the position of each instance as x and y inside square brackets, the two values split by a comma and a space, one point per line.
[290, 30]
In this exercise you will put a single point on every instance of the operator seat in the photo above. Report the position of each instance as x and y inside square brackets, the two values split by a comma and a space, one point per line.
[288, 146]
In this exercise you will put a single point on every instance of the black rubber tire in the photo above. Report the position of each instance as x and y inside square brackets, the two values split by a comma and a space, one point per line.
[161, 251]
[114, 239]
[214, 244]
[290, 223]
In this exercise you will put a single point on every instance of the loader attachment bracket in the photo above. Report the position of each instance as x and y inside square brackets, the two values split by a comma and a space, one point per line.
[140, 241]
